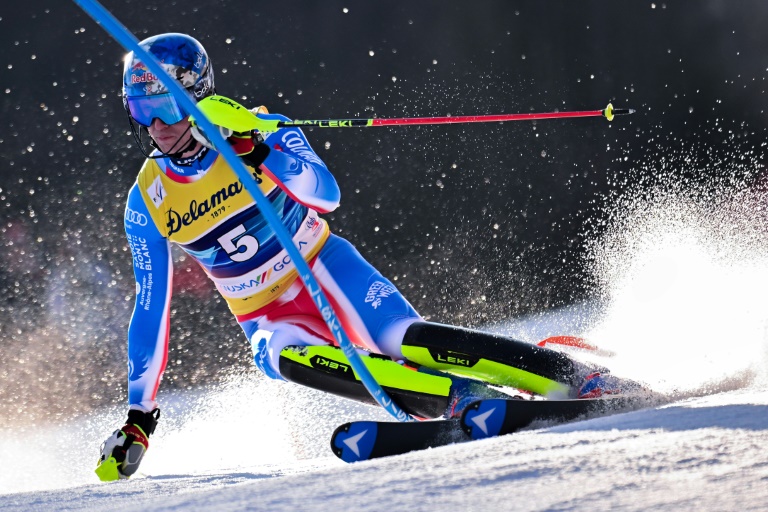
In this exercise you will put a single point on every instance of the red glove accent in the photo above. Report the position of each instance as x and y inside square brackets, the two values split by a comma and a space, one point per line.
[136, 432]
[242, 143]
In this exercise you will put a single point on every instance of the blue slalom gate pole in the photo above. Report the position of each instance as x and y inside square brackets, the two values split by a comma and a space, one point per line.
[123, 36]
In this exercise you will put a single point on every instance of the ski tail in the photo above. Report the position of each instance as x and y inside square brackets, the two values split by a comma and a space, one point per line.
[576, 343]
[496, 417]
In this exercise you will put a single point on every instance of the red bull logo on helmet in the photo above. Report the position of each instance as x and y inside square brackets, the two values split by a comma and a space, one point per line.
[147, 76]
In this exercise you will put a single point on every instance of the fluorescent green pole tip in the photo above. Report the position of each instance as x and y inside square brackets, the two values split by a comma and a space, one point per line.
[608, 112]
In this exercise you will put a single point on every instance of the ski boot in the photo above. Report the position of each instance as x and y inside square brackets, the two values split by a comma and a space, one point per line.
[596, 385]
[465, 391]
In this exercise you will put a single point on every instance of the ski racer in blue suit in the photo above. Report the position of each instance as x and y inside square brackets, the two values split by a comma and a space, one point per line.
[186, 194]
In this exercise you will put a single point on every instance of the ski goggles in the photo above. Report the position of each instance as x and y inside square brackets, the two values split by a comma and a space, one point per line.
[144, 109]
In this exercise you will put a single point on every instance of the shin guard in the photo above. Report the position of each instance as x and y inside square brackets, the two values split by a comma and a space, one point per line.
[327, 369]
[492, 358]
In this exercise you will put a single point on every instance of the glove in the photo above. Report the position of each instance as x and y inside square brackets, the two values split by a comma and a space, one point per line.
[122, 452]
[248, 145]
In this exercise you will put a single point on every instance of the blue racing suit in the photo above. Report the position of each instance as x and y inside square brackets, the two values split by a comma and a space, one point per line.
[200, 204]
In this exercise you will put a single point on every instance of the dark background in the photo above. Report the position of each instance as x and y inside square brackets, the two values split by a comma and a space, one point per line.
[475, 223]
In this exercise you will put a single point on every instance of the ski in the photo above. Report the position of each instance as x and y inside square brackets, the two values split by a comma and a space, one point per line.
[364, 440]
[497, 417]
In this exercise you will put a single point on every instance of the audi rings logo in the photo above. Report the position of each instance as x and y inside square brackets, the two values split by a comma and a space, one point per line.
[135, 217]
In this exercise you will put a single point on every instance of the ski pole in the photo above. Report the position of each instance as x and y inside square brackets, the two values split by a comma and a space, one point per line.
[227, 112]
[609, 112]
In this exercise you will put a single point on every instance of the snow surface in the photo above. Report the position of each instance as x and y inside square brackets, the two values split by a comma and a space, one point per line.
[698, 454]
[255, 444]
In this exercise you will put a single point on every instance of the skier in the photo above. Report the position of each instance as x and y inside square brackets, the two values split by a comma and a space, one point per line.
[186, 193]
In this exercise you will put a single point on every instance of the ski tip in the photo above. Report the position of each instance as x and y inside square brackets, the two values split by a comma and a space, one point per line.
[353, 442]
[484, 419]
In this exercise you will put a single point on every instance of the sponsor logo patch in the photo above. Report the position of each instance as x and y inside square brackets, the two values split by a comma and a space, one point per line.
[156, 192]
[134, 217]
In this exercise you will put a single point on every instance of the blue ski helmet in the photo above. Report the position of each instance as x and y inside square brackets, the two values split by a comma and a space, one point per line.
[145, 97]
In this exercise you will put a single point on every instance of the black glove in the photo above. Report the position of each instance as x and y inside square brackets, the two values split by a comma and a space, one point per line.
[250, 147]
[122, 452]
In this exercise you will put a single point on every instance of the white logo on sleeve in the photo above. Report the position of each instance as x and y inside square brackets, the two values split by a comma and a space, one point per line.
[378, 291]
